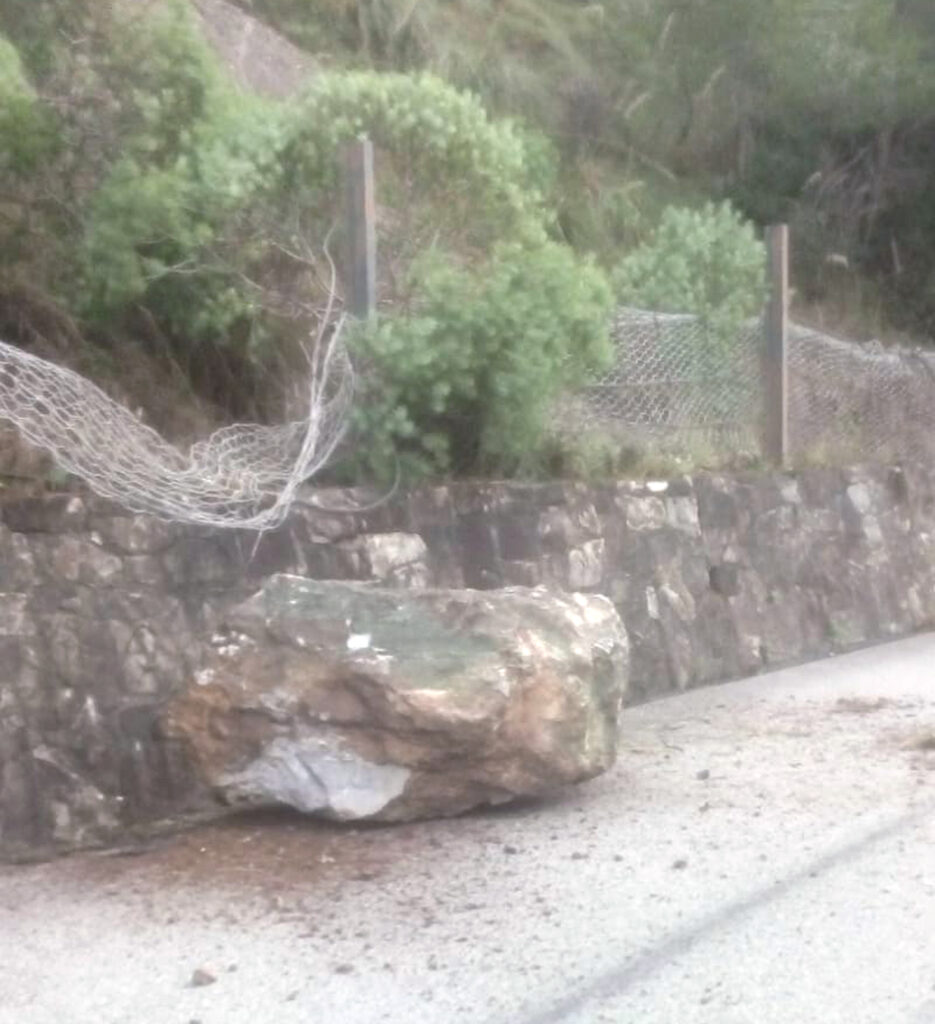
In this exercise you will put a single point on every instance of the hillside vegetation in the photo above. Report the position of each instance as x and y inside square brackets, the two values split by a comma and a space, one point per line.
[173, 235]
[819, 112]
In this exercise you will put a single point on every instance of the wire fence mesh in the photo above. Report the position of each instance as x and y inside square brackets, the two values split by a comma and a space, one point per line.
[675, 383]
[679, 386]
[676, 386]
[852, 402]
[245, 475]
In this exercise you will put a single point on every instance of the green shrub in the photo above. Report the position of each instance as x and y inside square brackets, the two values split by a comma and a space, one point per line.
[706, 261]
[248, 181]
[26, 131]
[474, 179]
[169, 78]
[216, 227]
[465, 381]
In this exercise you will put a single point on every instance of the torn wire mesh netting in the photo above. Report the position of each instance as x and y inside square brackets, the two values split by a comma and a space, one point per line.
[245, 475]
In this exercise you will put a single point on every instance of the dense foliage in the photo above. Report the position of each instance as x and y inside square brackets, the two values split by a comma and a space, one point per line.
[142, 196]
[819, 112]
[466, 380]
[206, 220]
[23, 127]
[707, 261]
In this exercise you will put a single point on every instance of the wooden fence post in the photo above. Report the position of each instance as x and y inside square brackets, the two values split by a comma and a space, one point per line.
[361, 229]
[775, 366]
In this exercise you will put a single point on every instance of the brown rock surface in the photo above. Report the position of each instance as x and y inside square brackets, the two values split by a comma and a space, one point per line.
[357, 702]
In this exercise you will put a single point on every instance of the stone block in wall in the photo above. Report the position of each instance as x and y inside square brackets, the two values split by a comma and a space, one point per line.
[672, 605]
[391, 558]
[586, 565]
[562, 527]
[23, 827]
[521, 574]
[145, 570]
[518, 535]
[430, 507]
[644, 512]
[823, 486]
[859, 496]
[789, 490]
[15, 619]
[479, 552]
[205, 559]
[430, 513]
[919, 607]
[720, 650]
[682, 514]
[725, 579]
[717, 504]
[480, 497]
[18, 569]
[54, 514]
[21, 460]
[80, 559]
[322, 527]
[134, 535]
[899, 486]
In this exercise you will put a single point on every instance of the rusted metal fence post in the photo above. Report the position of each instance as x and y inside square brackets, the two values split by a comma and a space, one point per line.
[361, 229]
[775, 359]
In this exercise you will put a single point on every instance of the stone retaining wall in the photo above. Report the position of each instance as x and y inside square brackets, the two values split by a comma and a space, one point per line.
[104, 614]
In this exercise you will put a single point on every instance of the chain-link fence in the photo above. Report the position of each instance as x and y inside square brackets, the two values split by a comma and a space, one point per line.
[851, 402]
[675, 385]
[680, 386]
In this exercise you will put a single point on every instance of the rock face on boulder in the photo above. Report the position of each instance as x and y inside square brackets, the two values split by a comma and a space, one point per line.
[357, 702]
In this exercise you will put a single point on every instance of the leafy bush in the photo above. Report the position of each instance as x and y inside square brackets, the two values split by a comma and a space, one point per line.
[465, 381]
[29, 140]
[207, 218]
[171, 79]
[247, 184]
[444, 135]
[706, 261]
[215, 227]
[25, 130]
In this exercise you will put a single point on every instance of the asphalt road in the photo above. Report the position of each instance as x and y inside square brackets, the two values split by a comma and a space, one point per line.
[764, 852]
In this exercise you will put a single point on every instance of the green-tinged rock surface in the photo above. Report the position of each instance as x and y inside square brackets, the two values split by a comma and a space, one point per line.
[359, 702]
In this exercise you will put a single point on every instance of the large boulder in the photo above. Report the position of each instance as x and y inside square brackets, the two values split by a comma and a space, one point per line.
[354, 702]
